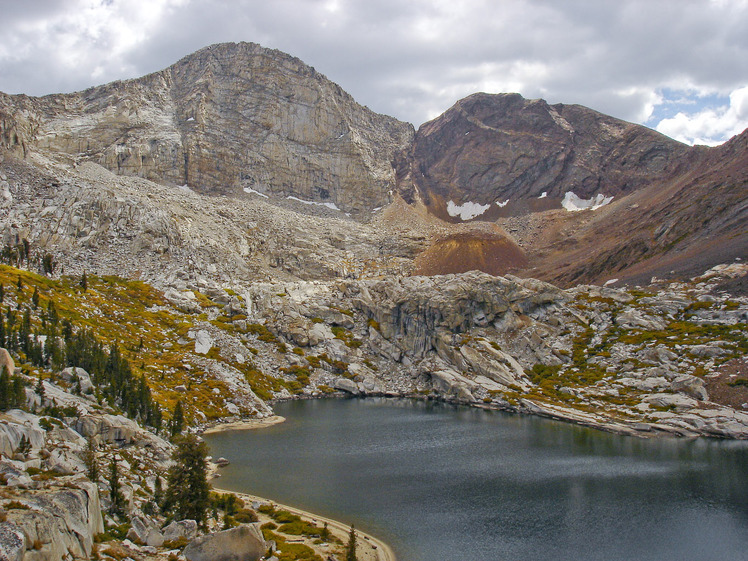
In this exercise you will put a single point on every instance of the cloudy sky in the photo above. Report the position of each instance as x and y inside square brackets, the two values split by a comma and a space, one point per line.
[679, 66]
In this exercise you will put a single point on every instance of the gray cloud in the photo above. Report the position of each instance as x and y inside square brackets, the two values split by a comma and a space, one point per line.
[412, 60]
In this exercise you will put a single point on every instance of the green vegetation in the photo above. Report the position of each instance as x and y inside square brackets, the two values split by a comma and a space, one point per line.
[188, 493]
[347, 337]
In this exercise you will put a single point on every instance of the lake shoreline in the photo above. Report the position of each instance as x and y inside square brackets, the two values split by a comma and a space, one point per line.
[370, 548]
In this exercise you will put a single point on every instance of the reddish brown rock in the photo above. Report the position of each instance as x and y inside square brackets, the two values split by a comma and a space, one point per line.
[488, 149]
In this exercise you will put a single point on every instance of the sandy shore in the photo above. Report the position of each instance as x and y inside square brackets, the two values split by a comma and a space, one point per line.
[246, 424]
[368, 547]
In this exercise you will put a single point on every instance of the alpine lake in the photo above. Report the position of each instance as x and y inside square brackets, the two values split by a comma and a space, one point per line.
[453, 483]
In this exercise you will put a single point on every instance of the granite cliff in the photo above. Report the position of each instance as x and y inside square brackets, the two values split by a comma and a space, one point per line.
[226, 118]
[497, 183]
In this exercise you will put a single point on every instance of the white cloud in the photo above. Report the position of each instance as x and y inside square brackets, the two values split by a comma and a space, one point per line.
[710, 126]
[412, 59]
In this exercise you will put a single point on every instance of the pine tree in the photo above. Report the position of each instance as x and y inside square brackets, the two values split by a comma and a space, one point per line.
[52, 315]
[158, 493]
[48, 264]
[20, 284]
[5, 389]
[35, 298]
[176, 423]
[187, 491]
[18, 393]
[40, 389]
[350, 549]
[115, 490]
[2, 293]
[91, 461]
[26, 250]
[84, 282]
[24, 446]
[325, 533]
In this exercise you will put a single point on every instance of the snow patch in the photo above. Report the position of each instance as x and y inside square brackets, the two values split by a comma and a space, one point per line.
[331, 206]
[251, 191]
[376, 209]
[184, 188]
[543, 195]
[466, 211]
[573, 203]
[190, 119]
[610, 281]
[502, 205]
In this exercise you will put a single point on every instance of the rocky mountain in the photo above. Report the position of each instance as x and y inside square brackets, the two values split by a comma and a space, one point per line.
[508, 154]
[248, 233]
[497, 183]
[226, 118]
[586, 197]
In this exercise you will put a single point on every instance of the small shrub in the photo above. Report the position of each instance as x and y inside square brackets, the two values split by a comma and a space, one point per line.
[177, 543]
[15, 505]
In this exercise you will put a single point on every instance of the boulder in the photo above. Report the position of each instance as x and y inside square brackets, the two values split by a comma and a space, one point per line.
[346, 385]
[145, 531]
[12, 542]
[635, 319]
[15, 475]
[184, 301]
[243, 543]
[203, 342]
[11, 434]
[181, 529]
[691, 386]
[7, 361]
[671, 400]
[73, 374]
[450, 384]
[110, 428]
[63, 522]
[707, 351]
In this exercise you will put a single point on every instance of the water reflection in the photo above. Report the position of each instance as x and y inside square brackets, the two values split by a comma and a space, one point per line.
[444, 482]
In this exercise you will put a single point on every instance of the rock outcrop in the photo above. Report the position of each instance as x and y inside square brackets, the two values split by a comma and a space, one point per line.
[293, 132]
[59, 524]
[243, 543]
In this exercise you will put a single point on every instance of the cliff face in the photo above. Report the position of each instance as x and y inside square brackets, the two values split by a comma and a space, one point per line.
[236, 117]
[228, 117]
[489, 149]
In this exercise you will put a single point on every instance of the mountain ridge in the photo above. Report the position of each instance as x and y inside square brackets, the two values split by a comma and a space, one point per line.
[240, 120]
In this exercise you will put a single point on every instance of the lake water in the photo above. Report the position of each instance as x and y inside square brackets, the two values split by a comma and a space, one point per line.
[446, 483]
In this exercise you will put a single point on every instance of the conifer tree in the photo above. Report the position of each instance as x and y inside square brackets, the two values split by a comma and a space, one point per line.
[5, 389]
[24, 446]
[91, 461]
[20, 284]
[40, 389]
[84, 282]
[26, 250]
[52, 313]
[2, 293]
[187, 491]
[115, 489]
[18, 393]
[350, 549]
[35, 298]
[176, 423]
[48, 264]
[158, 492]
